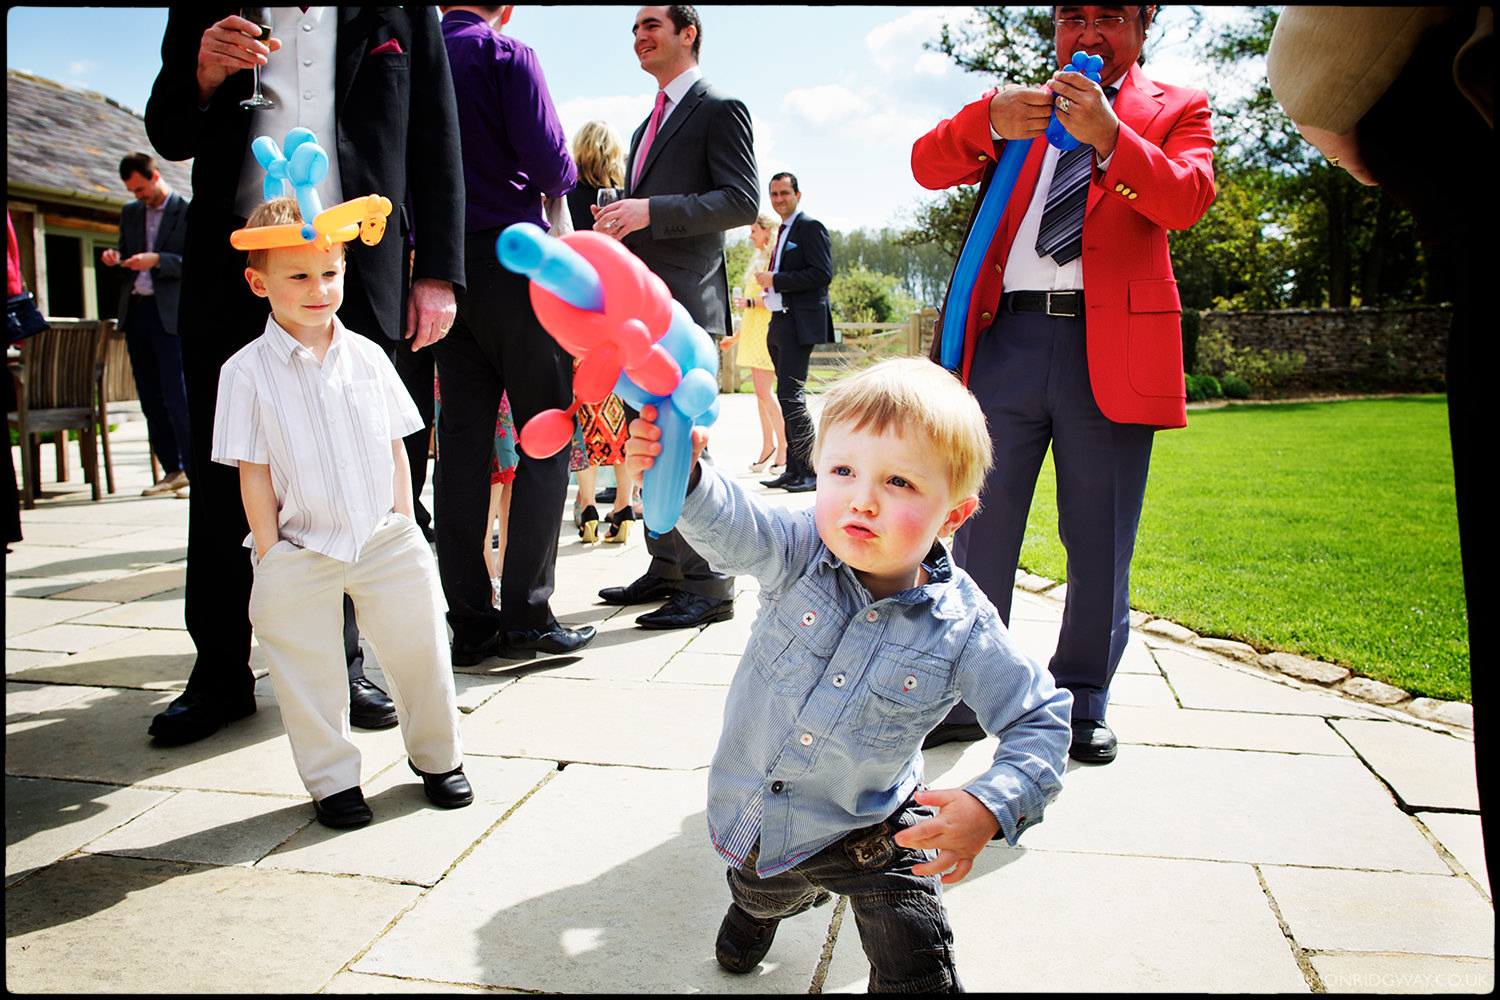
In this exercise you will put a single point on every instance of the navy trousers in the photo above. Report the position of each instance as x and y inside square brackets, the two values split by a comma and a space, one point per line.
[156, 361]
[791, 358]
[1030, 375]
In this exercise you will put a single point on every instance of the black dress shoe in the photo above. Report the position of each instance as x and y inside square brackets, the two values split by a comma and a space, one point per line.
[468, 654]
[1093, 743]
[370, 707]
[953, 732]
[449, 790]
[743, 940]
[526, 643]
[779, 481]
[343, 809]
[684, 610]
[190, 718]
[804, 485]
[643, 591]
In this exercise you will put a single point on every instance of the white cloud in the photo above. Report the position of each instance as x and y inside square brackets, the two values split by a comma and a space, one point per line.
[897, 47]
[822, 107]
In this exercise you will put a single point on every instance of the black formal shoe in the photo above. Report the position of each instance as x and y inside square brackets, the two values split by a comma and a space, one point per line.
[449, 790]
[343, 809]
[684, 610]
[804, 485]
[467, 654]
[953, 732]
[1093, 743]
[526, 643]
[370, 707]
[190, 718]
[643, 591]
[779, 481]
[743, 940]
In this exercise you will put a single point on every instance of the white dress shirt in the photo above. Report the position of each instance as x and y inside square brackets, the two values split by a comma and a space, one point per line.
[773, 297]
[325, 429]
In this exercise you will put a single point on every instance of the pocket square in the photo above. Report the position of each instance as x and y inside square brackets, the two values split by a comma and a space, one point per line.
[384, 47]
[789, 245]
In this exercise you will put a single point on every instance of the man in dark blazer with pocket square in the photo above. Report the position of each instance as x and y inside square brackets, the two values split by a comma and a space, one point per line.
[690, 177]
[796, 292]
[374, 86]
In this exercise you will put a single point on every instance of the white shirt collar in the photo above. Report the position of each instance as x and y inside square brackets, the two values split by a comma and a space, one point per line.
[681, 84]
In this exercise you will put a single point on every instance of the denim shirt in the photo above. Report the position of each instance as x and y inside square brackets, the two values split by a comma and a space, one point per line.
[828, 708]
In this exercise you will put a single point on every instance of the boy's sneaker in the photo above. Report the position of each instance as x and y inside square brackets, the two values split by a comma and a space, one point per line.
[743, 941]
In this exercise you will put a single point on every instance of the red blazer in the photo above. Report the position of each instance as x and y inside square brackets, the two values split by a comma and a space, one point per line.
[1160, 177]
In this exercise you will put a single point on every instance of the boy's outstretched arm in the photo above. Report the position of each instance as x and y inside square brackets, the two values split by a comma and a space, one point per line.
[960, 830]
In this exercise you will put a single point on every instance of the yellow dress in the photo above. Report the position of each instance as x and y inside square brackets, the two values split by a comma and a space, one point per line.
[750, 349]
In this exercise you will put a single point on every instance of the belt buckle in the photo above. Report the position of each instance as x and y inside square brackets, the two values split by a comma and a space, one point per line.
[1050, 312]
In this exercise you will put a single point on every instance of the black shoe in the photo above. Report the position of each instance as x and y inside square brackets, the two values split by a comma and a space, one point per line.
[1093, 743]
[467, 654]
[779, 481]
[684, 610]
[343, 809]
[743, 941]
[804, 485]
[953, 732]
[449, 790]
[526, 643]
[643, 591]
[190, 718]
[370, 707]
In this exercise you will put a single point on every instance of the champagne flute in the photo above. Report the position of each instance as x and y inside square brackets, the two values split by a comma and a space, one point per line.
[262, 18]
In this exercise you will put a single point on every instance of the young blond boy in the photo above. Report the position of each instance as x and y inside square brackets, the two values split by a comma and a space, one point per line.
[866, 635]
[314, 417]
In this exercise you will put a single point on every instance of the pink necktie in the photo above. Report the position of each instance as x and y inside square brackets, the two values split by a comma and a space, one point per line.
[657, 114]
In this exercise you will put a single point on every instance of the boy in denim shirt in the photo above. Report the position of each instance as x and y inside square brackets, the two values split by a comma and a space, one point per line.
[866, 635]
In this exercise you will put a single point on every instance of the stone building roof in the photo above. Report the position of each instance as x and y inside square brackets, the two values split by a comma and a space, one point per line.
[67, 143]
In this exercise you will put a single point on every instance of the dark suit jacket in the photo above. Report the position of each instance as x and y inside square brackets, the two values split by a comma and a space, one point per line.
[171, 241]
[802, 277]
[397, 137]
[701, 178]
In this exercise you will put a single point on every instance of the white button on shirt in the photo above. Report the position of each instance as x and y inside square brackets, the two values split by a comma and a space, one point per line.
[325, 429]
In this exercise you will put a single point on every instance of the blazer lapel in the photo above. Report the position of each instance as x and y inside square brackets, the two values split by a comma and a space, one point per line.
[1137, 105]
[680, 113]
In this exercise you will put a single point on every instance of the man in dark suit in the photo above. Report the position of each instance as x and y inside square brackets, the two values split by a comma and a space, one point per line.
[690, 177]
[396, 135]
[796, 289]
[153, 233]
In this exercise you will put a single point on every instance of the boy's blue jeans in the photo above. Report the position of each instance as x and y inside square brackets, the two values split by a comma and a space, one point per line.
[902, 923]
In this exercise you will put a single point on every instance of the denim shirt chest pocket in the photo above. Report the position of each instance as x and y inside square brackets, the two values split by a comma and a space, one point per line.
[909, 690]
[808, 626]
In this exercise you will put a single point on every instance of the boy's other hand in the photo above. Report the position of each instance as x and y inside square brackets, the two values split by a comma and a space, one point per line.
[644, 443]
[960, 830]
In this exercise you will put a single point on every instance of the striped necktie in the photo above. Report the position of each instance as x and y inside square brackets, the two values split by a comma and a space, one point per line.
[1060, 234]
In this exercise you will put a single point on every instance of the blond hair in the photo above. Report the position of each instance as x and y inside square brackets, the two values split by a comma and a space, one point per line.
[913, 396]
[276, 212]
[600, 155]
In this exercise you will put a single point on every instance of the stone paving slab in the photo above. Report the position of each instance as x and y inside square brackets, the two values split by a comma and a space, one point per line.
[158, 659]
[1427, 770]
[46, 821]
[603, 881]
[124, 925]
[156, 580]
[211, 828]
[162, 610]
[1461, 836]
[1200, 682]
[1224, 730]
[27, 614]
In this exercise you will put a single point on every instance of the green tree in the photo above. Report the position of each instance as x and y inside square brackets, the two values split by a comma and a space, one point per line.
[859, 295]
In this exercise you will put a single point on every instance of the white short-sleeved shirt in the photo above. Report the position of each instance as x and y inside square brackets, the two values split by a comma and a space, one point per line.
[325, 429]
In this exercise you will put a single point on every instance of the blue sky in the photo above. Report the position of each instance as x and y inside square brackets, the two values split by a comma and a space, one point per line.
[837, 93]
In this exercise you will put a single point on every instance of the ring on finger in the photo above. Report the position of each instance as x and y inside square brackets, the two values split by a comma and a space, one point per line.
[1063, 105]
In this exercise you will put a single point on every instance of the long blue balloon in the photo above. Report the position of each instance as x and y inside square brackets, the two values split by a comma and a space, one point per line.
[987, 221]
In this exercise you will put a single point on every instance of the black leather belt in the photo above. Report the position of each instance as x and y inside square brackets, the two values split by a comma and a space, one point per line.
[1051, 303]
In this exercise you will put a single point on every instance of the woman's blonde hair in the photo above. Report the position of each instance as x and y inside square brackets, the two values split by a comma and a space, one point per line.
[915, 397]
[761, 259]
[600, 156]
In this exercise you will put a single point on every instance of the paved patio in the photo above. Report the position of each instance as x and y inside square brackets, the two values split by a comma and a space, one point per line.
[1258, 833]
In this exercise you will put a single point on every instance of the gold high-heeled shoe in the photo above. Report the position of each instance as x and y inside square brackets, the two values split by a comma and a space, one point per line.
[588, 530]
[619, 526]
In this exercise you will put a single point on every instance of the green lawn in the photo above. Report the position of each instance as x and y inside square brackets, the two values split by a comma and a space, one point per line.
[1326, 529]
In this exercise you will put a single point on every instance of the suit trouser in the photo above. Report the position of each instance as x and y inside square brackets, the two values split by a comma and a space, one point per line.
[156, 362]
[297, 605]
[791, 359]
[1030, 375]
[497, 346]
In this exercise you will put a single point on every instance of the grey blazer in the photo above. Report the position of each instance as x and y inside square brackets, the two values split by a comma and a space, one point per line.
[701, 178]
[166, 276]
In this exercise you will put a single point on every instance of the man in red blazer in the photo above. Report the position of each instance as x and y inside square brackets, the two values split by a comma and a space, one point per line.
[1076, 345]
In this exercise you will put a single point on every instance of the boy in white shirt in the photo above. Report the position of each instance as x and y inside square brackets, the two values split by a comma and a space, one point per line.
[314, 417]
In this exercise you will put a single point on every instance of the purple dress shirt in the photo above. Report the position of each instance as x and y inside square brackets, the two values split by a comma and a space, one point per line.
[514, 148]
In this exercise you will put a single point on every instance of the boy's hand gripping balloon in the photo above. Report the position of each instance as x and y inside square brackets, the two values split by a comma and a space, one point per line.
[987, 220]
[300, 166]
[606, 308]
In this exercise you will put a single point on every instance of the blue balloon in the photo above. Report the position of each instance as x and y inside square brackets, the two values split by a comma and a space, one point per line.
[525, 248]
[1089, 66]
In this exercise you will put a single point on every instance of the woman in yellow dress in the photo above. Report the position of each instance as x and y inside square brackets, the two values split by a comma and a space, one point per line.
[753, 352]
